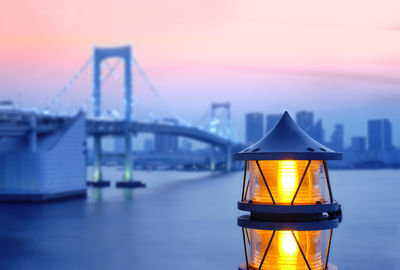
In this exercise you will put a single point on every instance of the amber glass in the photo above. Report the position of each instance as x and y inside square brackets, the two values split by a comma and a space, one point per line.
[283, 178]
[284, 253]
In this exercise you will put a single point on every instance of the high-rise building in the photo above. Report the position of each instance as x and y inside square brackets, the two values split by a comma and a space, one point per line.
[166, 144]
[379, 135]
[271, 121]
[186, 145]
[337, 138]
[305, 120]
[317, 131]
[254, 127]
[358, 144]
[148, 145]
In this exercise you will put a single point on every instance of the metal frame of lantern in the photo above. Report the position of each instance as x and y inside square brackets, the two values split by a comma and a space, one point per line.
[245, 222]
[310, 210]
[287, 142]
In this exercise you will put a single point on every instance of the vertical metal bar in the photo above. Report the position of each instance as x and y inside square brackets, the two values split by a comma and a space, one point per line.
[247, 189]
[266, 250]
[265, 182]
[245, 248]
[301, 182]
[244, 179]
[328, 182]
[328, 250]
[302, 253]
[248, 237]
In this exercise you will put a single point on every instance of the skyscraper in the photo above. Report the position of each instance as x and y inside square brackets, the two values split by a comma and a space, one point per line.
[379, 135]
[271, 121]
[358, 144]
[148, 145]
[186, 145]
[337, 138]
[166, 144]
[317, 131]
[254, 127]
[305, 120]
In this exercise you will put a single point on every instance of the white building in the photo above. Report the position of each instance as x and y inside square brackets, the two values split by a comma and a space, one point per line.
[56, 169]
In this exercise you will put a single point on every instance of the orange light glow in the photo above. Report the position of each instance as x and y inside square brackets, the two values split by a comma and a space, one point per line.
[284, 253]
[283, 178]
[287, 180]
[288, 250]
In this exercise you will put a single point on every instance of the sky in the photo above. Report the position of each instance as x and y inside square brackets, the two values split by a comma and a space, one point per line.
[340, 59]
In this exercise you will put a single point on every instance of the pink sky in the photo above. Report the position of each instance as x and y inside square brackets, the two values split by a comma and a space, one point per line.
[261, 55]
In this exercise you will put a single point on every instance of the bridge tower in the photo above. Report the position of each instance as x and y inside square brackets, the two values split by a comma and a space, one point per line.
[100, 54]
[215, 124]
[215, 127]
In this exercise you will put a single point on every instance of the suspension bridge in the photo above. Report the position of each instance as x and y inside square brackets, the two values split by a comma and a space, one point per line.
[37, 132]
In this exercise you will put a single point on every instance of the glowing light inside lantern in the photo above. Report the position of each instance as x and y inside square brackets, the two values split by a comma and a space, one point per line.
[287, 180]
[284, 253]
[288, 250]
[283, 178]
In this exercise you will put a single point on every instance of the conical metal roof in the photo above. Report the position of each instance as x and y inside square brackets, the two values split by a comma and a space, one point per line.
[287, 141]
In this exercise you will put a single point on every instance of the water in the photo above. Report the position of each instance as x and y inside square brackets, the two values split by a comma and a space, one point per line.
[186, 220]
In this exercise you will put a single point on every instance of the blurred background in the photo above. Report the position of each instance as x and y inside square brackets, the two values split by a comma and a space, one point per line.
[208, 78]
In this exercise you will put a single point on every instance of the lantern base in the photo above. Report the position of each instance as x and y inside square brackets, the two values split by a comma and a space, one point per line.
[291, 213]
[243, 266]
[288, 209]
[246, 221]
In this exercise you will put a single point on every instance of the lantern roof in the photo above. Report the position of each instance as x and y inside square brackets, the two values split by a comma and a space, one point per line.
[287, 141]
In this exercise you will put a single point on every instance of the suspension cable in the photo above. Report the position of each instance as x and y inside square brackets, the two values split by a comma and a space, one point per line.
[57, 97]
[155, 92]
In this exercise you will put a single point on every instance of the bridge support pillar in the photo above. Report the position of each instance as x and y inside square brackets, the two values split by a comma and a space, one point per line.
[212, 159]
[33, 133]
[97, 175]
[128, 157]
[228, 152]
[128, 181]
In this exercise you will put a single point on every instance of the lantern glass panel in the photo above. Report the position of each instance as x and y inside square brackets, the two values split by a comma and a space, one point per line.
[283, 178]
[284, 253]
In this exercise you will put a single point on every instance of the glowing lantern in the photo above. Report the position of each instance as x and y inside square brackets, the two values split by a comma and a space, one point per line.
[289, 197]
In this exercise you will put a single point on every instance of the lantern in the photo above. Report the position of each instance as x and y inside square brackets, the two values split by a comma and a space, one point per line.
[286, 189]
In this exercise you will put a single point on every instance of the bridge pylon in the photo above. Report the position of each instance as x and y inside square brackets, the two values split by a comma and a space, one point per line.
[100, 54]
[212, 159]
[228, 158]
[227, 133]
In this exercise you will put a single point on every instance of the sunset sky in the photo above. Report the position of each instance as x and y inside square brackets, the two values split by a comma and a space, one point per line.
[339, 58]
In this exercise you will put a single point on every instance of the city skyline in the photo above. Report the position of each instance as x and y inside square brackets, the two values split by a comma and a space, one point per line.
[374, 140]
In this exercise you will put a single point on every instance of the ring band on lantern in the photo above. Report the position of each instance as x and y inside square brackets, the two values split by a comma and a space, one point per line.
[287, 190]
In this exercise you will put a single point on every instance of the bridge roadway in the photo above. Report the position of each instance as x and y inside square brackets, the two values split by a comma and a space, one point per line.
[20, 123]
[107, 127]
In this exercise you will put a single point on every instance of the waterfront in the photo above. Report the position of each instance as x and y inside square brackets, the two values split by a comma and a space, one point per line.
[187, 220]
